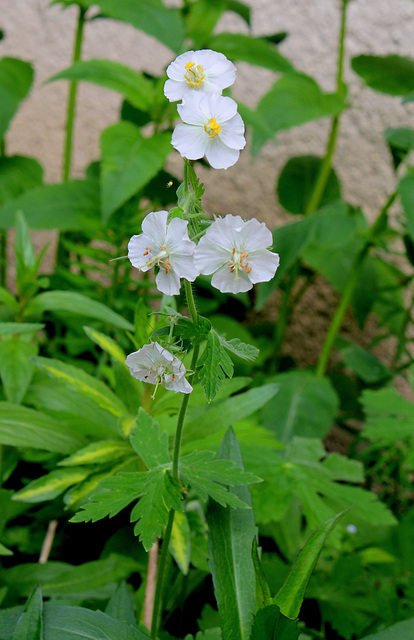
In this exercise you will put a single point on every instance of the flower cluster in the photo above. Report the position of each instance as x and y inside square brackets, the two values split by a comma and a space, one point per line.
[156, 365]
[234, 251]
[211, 126]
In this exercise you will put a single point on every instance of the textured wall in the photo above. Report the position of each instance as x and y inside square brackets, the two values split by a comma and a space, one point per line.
[44, 36]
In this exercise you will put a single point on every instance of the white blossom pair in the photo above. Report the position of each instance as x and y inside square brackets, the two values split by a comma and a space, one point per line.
[233, 250]
[211, 126]
[156, 365]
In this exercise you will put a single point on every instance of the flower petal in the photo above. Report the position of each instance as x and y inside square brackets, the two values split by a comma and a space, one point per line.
[264, 264]
[176, 69]
[209, 257]
[190, 141]
[255, 236]
[196, 109]
[177, 384]
[184, 267]
[232, 132]
[219, 155]
[168, 283]
[173, 90]
[140, 250]
[225, 281]
[154, 226]
[223, 108]
[177, 237]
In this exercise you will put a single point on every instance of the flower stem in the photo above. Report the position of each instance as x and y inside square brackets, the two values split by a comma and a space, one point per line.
[159, 590]
[67, 158]
[350, 285]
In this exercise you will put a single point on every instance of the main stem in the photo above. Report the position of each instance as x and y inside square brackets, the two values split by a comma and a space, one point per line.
[350, 285]
[159, 589]
[73, 87]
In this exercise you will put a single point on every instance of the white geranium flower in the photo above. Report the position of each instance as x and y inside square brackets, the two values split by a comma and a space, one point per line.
[212, 127]
[236, 253]
[156, 365]
[167, 246]
[198, 71]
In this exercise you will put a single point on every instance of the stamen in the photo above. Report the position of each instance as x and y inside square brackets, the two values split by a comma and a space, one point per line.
[195, 75]
[147, 251]
[234, 251]
[212, 127]
[167, 266]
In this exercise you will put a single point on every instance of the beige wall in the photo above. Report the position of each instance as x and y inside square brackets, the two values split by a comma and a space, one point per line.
[44, 36]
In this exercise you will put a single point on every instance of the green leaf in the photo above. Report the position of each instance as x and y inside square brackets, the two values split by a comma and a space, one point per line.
[51, 485]
[30, 624]
[98, 453]
[17, 328]
[296, 182]
[242, 9]
[17, 175]
[365, 365]
[406, 191]
[73, 206]
[23, 427]
[16, 77]
[293, 100]
[106, 344]
[121, 605]
[150, 16]
[151, 512]
[215, 366]
[257, 51]
[391, 74]
[390, 417]
[230, 538]
[400, 631]
[290, 596]
[129, 161]
[180, 542]
[270, 624]
[201, 19]
[136, 88]
[16, 370]
[222, 414]
[150, 443]
[84, 383]
[207, 475]
[400, 141]
[240, 349]
[305, 406]
[77, 303]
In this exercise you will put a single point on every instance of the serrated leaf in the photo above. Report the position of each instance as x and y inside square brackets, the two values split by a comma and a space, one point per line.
[240, 349]
[113, 495]
[230, 537]
[24, 427]
[206, 474]
[136, 88]
[73, 302]
[98, 453]
[215, 365]
[30, 624]
[290, 596]
[51, 485]
[84, 383]
[161, 495]
[270, 624]
[150, 443]
[390, 417]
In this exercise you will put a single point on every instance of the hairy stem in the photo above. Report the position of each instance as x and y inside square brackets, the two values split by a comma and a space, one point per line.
[159, 590]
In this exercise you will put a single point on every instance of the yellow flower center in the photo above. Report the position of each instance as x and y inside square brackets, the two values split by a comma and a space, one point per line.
[195, 75]
[212, 128]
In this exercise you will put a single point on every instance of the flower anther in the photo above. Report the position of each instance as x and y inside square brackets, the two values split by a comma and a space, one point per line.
[195, 74]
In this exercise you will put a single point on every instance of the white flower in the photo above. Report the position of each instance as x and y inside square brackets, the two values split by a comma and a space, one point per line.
[212, 128]
[198, 71]
[167, 246]
[236, 253]
[155, 365]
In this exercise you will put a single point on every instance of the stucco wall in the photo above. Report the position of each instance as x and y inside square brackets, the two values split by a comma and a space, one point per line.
[44, 36]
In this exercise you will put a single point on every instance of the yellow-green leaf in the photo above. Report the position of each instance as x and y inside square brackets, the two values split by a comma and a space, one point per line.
[51, 485]
[98, 452]
[180, 544]
[106, 343]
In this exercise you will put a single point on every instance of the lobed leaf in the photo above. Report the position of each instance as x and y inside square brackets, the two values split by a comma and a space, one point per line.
[150, 443]
[214, 365]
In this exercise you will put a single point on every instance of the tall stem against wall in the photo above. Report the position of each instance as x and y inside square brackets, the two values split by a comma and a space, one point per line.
[71, 108]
